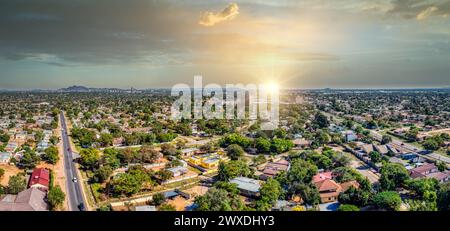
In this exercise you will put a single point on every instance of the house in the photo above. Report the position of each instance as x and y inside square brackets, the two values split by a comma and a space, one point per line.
[272, 169]
[145, 208]
[301, 143]
[409, 156]
[40, 178]
[42, 145]
[118, 141]
[5, 157]
[441, 177]
[349, 136]
[329, 190]
[322, 176]
[189, 151]
[206, 162]
[178, 171]
[247, 187]
[347, 185]
[335, 128]
[367, 148]
[423, 171]
[31, 199]
[382, 149]
[430, 171]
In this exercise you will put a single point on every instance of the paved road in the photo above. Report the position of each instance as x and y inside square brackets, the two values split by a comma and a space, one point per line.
[364, 170]
[75, 196]
[410, 148]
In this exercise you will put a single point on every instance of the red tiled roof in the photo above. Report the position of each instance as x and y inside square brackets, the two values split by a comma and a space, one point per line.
[346, 185]
[328, 186]
[322, 176]
[40, 176]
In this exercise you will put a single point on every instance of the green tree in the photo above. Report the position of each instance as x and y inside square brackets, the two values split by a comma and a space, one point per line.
[386, 139]
[2, 173]
[55, 197]
[393, 175]
[164, 175]
[348, 208]
[16, 184]
[233, 169]
[355, 196]
[281, 145]
[234, 138]
[110, 158]
[168, 149]
[158, 199]
[270, 192]
[301, 171]
[262, 144]
[441, 166]
[229, 187]
[51, 155]
[235, 151]
[89, 158]
[431, 144]
[308, 192]
[387, 200]
[106, 139]
[103, 173]
[219, 200]
[321, 161]
[321, 121]
[375, 156]
[29, 159]
[167, 207]
[421, 186]
[443, 197]
[260, 159]
[129, 183]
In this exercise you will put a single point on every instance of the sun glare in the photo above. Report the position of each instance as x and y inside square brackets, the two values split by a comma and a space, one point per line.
[272, 87]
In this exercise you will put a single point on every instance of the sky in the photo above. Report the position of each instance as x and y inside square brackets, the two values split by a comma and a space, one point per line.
[49, 44]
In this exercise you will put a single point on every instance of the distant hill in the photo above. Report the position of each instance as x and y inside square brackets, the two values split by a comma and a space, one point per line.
[75, 89]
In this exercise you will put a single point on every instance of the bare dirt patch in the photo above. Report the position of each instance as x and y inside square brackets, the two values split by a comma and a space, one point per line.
[10, 170]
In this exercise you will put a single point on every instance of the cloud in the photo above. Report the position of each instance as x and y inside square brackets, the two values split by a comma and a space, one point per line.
[426, 13]
[420, 10]
[211, 18]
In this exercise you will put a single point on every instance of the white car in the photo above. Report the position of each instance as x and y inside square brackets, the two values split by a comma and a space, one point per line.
[74, 180]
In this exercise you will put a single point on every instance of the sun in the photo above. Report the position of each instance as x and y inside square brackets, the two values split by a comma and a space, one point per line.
[272, 87]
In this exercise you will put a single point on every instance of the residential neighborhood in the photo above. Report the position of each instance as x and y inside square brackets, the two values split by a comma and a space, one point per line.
[127, 155]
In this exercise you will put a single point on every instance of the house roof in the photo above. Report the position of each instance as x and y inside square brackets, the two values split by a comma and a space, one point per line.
[301, 142]
[144, 208]
[382, 149]
[40, 176]
[424, 168]
[346, 185]
[322, 176]
[276, 167]
[440, 176]
[328, 185]
[31, 199]
[367, 148]
[246, 184]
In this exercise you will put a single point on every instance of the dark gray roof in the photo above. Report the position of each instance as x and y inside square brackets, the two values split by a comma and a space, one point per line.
[31, 199]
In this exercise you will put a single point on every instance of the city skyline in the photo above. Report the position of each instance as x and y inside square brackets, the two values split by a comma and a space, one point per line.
[157, 44]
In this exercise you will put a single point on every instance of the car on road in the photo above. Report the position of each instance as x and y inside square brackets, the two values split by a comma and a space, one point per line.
[74, 180]
[81, 207]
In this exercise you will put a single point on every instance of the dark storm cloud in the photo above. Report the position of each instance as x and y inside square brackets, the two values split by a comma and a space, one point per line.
[91, 31]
